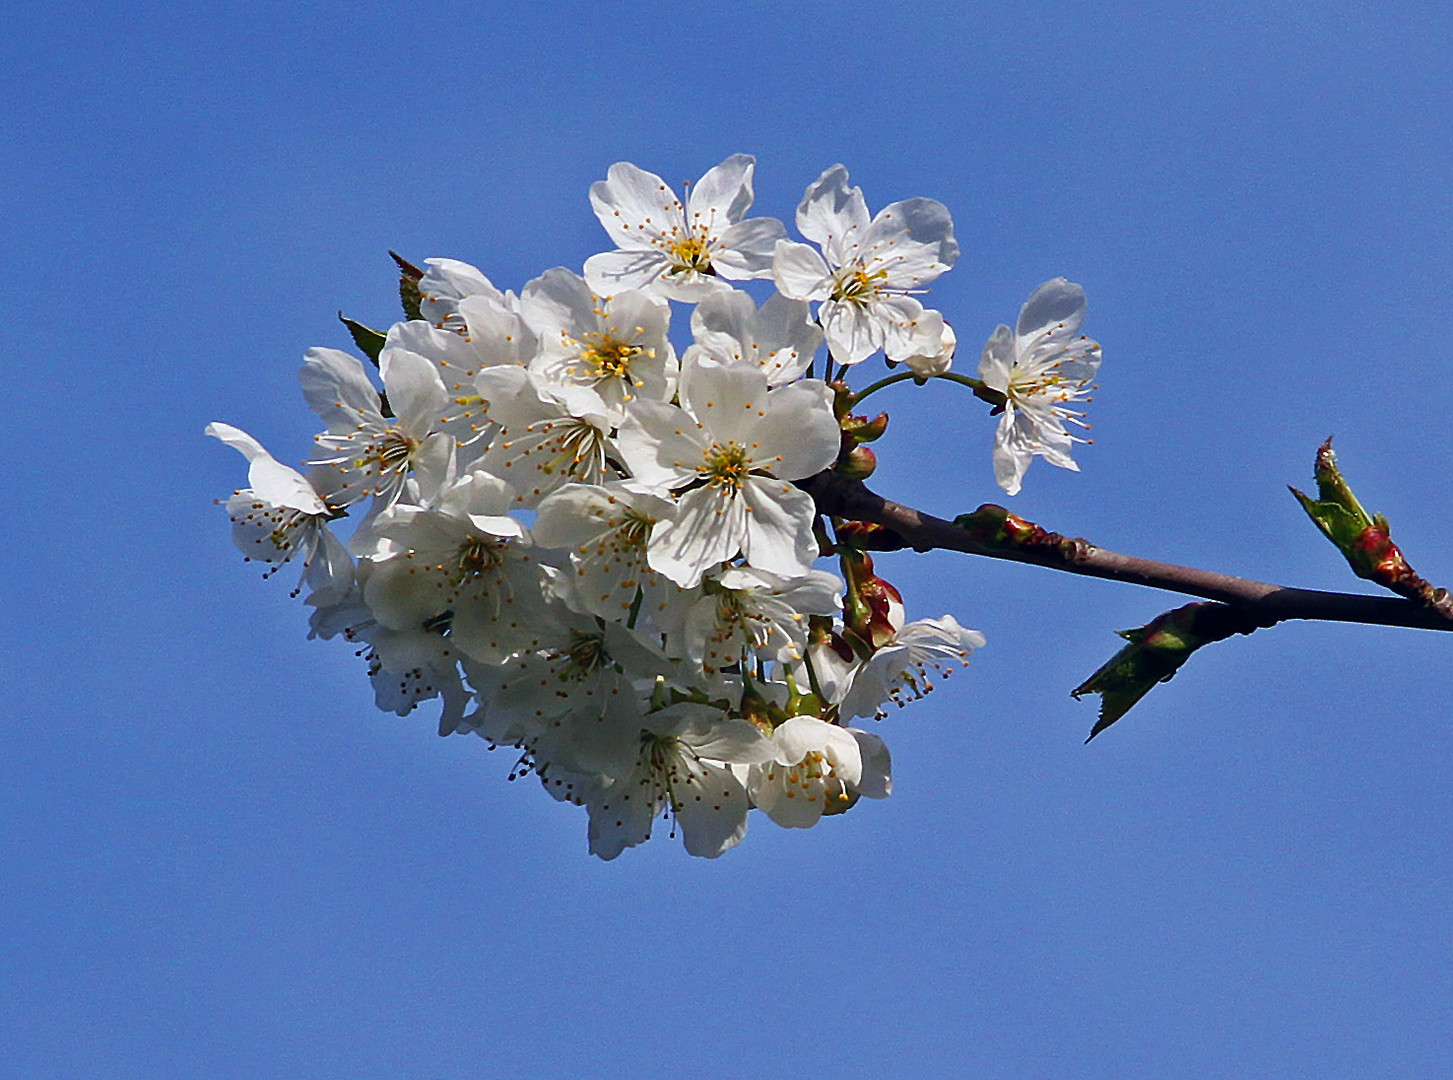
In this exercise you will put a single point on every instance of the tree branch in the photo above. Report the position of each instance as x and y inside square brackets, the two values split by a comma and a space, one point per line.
[993, 532]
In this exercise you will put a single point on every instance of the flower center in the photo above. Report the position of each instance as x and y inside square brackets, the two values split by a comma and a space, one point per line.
[391, 452]
[725, 467]
[854, 285]
[586, 653]
[477, 556]
[635, 529]
[691, 254]
[609, 358]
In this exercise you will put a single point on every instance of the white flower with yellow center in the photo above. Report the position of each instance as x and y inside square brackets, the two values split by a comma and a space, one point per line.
[462, 562]
[375, 454]
[779, 337]
[1043, 367]
[867, 270]
[488, 334]
[282, 516]
[729, 458]
[606, 529]
[680, 251]
[745, 613]
[682, 769]
[547, 437]
[818, 768]
[617, 347]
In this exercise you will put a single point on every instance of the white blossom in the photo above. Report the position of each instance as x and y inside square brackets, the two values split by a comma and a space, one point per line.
[683, 768]
[680, 251]
[731, 468]
[374, 454]
[281, 516]
[867, 271]
[818, 768]
[1042, 367]
[899, 670]
[617, 348]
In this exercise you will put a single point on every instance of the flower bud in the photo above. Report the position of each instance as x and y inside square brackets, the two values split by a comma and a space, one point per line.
[933, 346]
[858, 463]
[872, 609]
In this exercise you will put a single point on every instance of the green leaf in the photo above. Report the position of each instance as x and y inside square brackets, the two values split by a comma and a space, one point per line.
[1339, 524]
[409, 294]
[369, 341]
[1154, 653]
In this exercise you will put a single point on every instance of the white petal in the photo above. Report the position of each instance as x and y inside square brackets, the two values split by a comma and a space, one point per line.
[712, 811]
[779, 535]
[1057, 305]
[745, 250]
[800, 272]
[832, 214]
[877, 779]
[337, 389]
[634, 205]
[415, 391]
[613, 272]
[723, 195]
[708, 529]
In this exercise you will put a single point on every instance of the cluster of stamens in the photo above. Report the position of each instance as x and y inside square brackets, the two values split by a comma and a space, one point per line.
[725, 467]
[854, 285]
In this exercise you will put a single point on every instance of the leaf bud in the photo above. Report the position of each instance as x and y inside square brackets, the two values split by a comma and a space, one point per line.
[863, 429]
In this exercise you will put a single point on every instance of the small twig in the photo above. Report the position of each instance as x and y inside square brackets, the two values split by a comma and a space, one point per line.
[1267, 603]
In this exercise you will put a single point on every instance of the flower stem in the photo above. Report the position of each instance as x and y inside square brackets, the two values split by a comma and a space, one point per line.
[993, 397]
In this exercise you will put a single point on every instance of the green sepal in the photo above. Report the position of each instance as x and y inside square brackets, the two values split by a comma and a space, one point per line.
[409, 294]
[369, 341]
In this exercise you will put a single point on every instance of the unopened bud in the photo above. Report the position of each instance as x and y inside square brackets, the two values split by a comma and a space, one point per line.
[858, 463]
[842, 398]
[870, 536]
[872, 609]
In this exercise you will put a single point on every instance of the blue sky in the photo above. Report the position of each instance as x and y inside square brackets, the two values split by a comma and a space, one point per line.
[220, 860]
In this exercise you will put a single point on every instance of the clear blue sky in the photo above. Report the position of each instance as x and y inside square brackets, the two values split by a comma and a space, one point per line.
[218, 859]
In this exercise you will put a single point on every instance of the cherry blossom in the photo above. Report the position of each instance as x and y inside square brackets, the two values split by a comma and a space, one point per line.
[675, 250]
[867, 271]
[1042, 367]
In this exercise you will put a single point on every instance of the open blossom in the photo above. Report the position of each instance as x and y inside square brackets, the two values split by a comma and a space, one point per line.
[282, 516]
[867, 270]
[606, 529]
[674, 250]
[818, 768]
[617, 347]
[596, 552]
[779, 337]
[375, 454]
[460, 560]
[1042, 367]
[731, 469]
[746, 612]
[899, 670]
[406, 667]
[548, 435]
[683, 768]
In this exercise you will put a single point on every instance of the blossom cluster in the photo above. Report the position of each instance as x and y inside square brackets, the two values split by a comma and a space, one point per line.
[593, 548]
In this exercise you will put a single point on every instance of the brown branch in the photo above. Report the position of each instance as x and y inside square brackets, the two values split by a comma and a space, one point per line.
[1263, 603]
